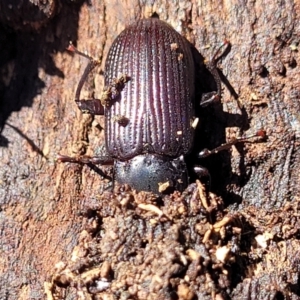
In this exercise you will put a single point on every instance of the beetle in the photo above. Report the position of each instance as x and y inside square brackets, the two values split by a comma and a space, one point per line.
[149, 106]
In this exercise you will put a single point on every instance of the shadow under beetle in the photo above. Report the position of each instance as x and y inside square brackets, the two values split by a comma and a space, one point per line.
[149, 105]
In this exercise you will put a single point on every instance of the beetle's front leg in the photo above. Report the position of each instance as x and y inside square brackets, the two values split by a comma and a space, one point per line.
[260, 134]
[95, 160]
[89, 161]
[204, 175]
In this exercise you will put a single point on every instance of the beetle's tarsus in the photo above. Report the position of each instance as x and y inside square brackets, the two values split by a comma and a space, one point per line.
[209, 98]
[72, 48]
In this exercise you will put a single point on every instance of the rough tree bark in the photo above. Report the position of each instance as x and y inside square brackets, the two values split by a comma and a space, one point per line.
[42, 200]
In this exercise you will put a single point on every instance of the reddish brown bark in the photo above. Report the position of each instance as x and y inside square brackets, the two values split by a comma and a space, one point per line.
[42, 200]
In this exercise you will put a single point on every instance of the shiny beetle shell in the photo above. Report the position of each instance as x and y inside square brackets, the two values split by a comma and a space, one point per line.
[148, 101]
[158, 99]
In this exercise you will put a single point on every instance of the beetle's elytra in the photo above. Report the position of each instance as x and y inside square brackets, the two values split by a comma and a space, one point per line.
[149, 104]
[159, 97]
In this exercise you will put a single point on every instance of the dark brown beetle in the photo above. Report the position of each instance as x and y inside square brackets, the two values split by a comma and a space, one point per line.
[149, 104]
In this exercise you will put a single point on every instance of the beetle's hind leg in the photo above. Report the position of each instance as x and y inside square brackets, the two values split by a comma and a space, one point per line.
[208, 98]
[92, 106]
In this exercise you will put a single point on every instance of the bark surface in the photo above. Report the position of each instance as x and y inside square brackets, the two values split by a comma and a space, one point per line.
[56, 220]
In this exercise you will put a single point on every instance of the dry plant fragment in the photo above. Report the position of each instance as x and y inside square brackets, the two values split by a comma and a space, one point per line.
[152, 208]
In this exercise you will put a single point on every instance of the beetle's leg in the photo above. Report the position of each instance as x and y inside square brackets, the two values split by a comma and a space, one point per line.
[95, 160]
[259, 134]
[92, 106]
[110, 92]
[90, 161]
[211, 97]
[204, 176]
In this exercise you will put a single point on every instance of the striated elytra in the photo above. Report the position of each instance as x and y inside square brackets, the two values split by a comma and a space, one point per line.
[149, 105]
